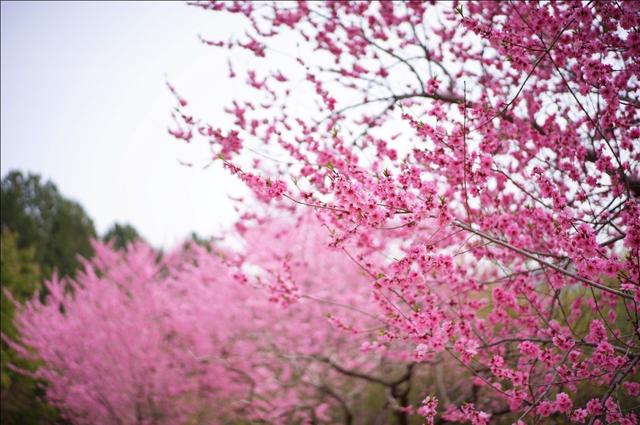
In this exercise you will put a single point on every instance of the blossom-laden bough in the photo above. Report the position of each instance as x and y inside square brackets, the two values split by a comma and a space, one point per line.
[479, 162]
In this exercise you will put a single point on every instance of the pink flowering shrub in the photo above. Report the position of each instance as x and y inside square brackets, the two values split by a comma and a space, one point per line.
[271, 334]
[281, 331]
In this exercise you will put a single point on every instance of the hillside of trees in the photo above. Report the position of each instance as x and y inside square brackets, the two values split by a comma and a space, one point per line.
[43, 232]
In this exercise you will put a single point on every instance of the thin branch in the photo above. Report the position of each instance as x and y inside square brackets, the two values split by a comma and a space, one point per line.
[543, 262]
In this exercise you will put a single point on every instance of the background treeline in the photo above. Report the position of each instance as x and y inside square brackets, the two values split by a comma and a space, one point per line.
[43, 232]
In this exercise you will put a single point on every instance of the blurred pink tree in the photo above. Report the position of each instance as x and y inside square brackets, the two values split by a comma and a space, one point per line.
[273, 334]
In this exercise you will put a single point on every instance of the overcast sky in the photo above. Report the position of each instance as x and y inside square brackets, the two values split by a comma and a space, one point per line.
[84, 103]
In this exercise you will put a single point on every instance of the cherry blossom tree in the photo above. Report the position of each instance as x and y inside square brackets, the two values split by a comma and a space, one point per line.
[444, 228]
[478, 161]
[278, 333]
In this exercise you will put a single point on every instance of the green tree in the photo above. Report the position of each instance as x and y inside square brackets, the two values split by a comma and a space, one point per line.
[57, 228]
[121, 234]
[21, 395]
[42, 231]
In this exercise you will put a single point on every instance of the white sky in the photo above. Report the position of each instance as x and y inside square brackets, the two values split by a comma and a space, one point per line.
[84, 103]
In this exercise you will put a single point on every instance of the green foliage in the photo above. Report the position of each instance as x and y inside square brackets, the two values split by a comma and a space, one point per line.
[57, 228]
[42, 232]
[120, 235]
[20, 275]
[21, 395]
